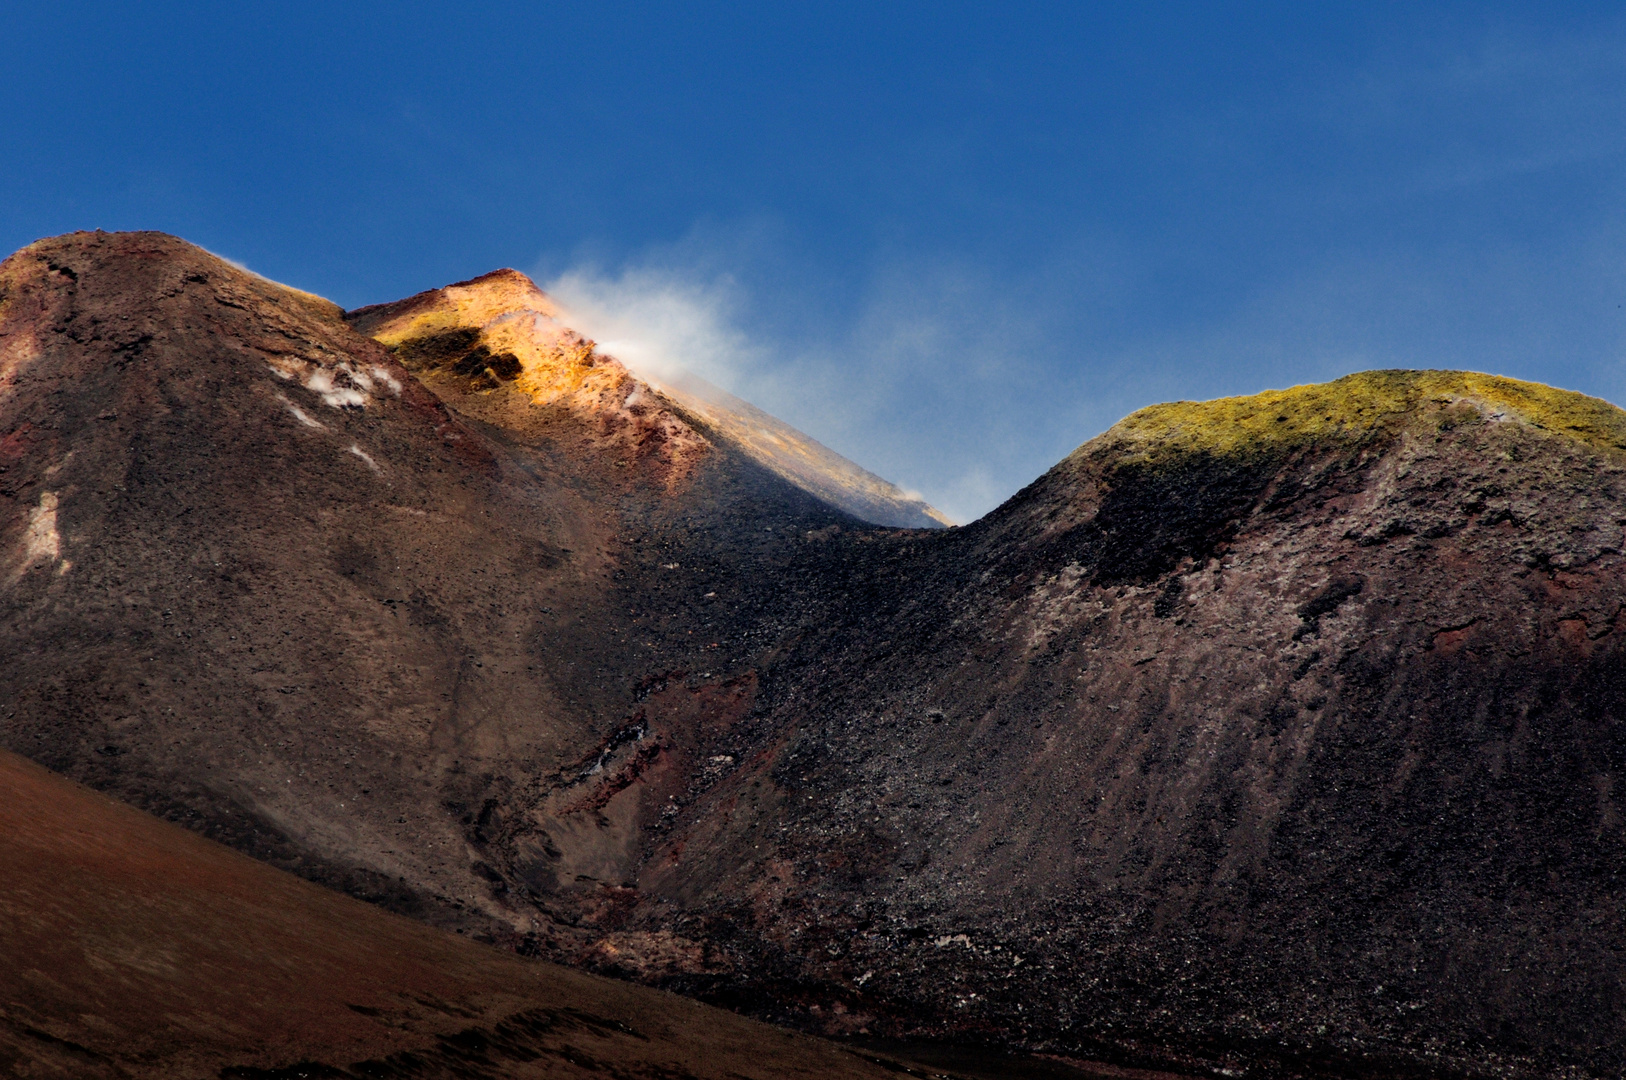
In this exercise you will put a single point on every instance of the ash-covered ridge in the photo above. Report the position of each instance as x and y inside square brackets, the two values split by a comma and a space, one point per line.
[798, 458]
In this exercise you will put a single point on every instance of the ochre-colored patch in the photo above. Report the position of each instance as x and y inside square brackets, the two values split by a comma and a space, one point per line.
[14, 443]
[1358, 406]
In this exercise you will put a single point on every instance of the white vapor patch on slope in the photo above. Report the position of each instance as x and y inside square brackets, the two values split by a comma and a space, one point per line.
[924, 384]
[658, 323]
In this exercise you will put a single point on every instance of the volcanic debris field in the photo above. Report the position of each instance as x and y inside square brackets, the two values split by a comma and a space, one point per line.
[1271, 736]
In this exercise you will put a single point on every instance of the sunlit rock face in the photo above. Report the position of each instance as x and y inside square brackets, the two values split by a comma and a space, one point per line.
[498, 337]
[1278, 734]
[501, 332]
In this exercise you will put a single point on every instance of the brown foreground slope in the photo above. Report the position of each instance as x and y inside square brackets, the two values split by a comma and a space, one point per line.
[1279, 734]
[133, 949]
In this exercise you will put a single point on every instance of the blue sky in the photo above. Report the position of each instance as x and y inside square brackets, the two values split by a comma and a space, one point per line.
[951, 241]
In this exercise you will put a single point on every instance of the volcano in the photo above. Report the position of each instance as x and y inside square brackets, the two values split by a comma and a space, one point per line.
[1275, 735]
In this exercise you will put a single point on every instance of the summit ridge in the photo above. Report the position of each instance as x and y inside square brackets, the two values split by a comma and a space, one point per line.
[475, 336]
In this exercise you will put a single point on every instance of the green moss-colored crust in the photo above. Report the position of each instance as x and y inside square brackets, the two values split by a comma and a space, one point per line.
[1358, 408]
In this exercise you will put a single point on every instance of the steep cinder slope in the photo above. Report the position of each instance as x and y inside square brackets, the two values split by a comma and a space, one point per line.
[135, 949]
[1281, 734]
[803, 461]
